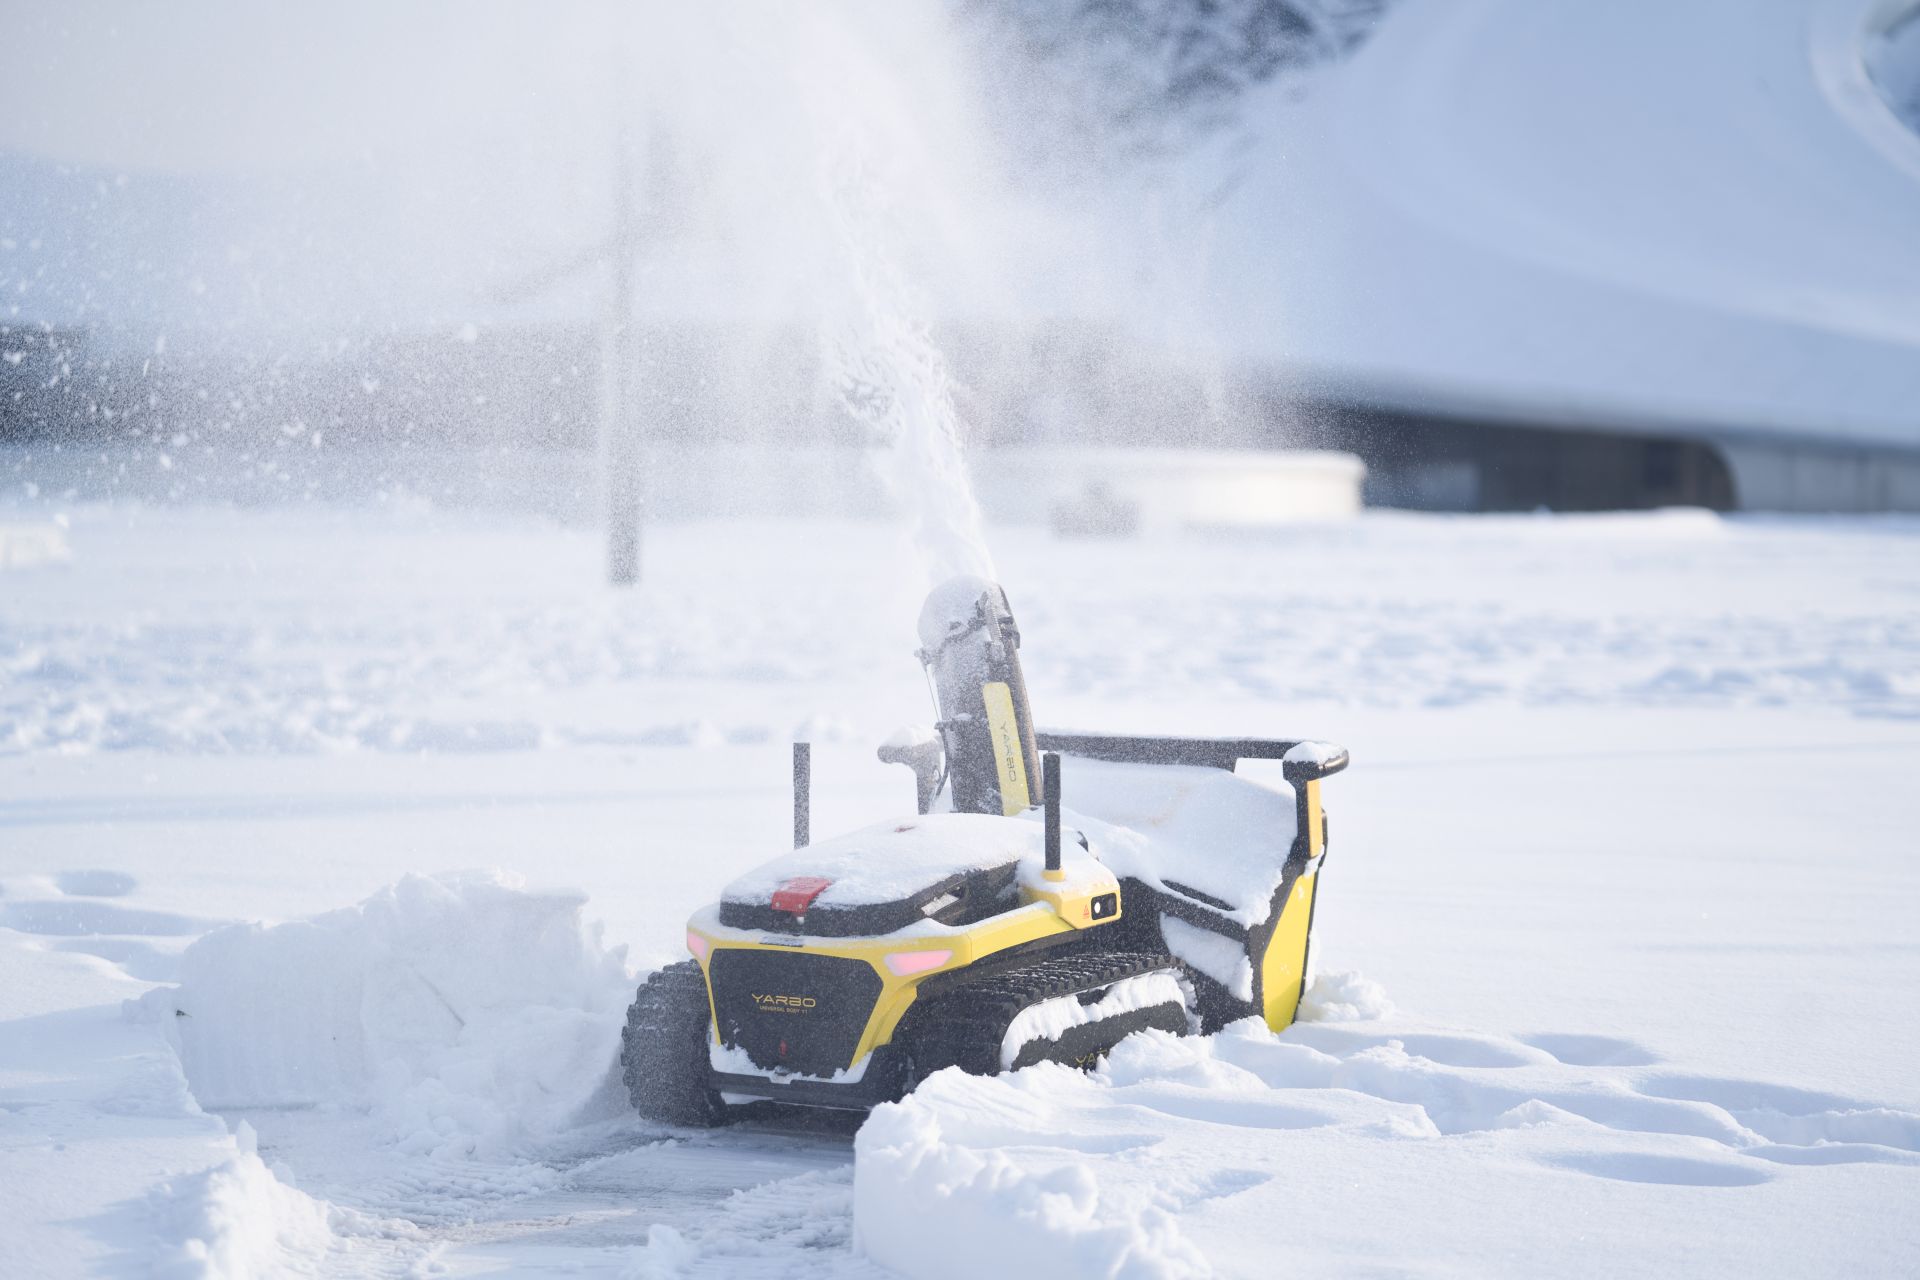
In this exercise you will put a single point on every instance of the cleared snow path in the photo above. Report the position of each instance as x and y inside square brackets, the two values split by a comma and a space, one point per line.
[743, 1201]
[438, 1062]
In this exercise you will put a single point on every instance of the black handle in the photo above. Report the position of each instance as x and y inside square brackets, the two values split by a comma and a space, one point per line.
[802, 793]
[1050, 797]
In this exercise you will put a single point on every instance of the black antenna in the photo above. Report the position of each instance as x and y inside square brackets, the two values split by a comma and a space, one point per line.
[802, 793]
[1050, 797]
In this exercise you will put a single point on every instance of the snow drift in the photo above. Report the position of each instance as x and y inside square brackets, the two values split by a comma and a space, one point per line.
[237, 1220]
[1011, 1174]
[936, 1196]
[462, 1013]
[1184, 1156]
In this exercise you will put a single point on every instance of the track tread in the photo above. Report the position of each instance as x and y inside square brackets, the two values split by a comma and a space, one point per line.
[966, 1022]
[663, 1049]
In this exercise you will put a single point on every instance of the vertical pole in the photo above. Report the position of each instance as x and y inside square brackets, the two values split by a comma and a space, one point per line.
[621, 408]
[1050, 797]
[802, 794]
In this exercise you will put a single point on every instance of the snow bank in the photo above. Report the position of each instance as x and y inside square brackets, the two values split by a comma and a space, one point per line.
[236, 1220]
[934, 1196]
[1200, 1155]
[462, 1013]
[1344, 997]
[1051, 1171]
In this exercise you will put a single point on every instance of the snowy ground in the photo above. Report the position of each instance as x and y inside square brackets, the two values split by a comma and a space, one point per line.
[1624, 861]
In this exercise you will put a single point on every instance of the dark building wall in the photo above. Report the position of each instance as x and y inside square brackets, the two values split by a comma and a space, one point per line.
[1432, 462]
[537, 388]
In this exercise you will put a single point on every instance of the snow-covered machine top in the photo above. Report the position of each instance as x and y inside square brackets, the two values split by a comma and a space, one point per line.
[950, 868]
[891, 861]
[1185, 828]
[1204, 834]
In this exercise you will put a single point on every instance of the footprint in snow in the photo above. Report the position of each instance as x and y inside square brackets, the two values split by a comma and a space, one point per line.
[71, 919]
[1807, 1127]
[1443, 1050]
[1671, 1171]
[1218, 1185]
[1592, 1051]
[96, 884]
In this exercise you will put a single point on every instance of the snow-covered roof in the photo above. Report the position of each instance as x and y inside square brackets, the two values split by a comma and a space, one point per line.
[1700, 212]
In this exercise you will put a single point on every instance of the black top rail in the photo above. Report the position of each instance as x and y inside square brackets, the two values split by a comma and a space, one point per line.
[1212, 753]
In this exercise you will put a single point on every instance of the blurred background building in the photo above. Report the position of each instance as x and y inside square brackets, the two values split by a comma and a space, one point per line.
[1508, 255]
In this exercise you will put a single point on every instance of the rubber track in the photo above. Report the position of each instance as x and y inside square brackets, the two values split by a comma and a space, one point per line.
[663, 1050]
[966, 1022]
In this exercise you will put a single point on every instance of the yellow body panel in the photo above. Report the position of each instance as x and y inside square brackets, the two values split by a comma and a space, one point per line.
[1009, 761]
[1316, 824]
[1283, 967]
[1072, 898]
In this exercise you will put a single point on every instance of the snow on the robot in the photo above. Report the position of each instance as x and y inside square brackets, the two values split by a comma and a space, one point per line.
[1051, 1019]
[1219, 957]
[890, 861]
[1208, 829]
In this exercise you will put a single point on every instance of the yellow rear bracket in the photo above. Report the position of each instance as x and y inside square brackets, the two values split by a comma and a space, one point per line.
[1283, 969]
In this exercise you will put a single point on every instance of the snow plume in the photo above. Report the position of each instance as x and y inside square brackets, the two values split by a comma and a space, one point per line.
[827, 174]
[461, 1013]
[886, 370]
[879, 355]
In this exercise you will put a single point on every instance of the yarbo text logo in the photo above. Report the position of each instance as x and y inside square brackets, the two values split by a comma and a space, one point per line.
[784, 1004]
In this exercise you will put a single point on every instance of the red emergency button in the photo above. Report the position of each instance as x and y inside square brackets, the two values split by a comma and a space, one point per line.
[797, 894]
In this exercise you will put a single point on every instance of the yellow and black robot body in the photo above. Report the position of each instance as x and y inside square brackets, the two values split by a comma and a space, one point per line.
[1052, 894]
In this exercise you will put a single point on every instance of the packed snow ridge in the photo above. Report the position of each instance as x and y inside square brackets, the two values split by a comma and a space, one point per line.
[464, 1014]
[1189, 1156]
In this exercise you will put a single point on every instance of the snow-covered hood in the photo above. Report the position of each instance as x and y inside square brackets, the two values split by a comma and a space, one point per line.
[892, 861]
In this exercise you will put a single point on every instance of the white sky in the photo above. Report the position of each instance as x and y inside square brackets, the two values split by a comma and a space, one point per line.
[231, 85]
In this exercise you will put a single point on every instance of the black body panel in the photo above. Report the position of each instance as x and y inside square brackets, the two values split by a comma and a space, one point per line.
[794, 1010]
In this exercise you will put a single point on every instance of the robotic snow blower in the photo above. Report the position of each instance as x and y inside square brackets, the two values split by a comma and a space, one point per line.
[1152, 887]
